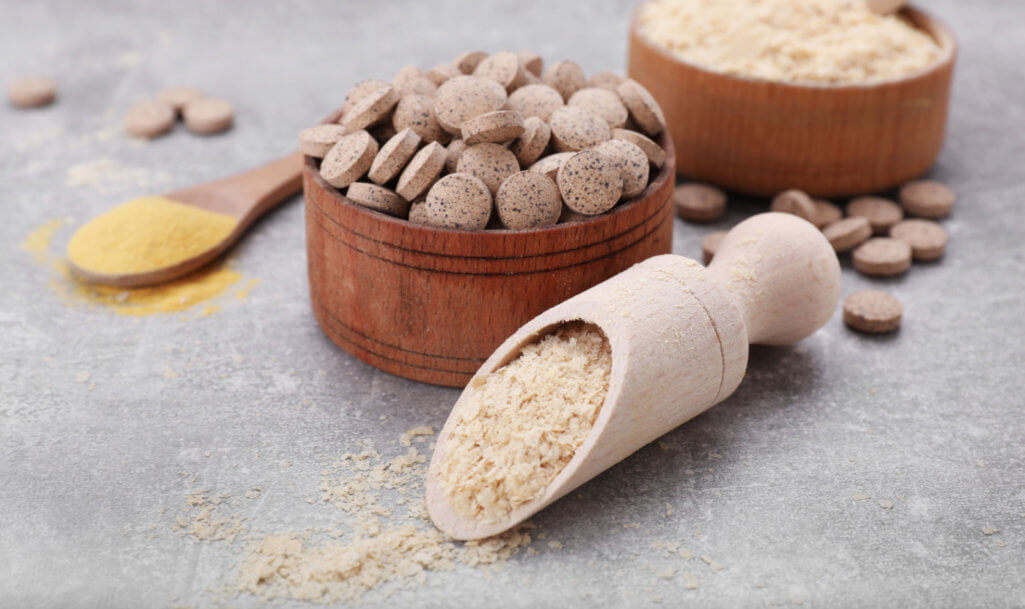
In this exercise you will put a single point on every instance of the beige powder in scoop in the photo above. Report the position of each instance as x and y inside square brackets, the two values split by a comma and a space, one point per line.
[820, 41]
[523, 423]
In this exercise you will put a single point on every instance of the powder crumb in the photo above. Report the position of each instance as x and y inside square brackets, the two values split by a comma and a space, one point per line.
[407, 438]
[860, 497]
[716, 566]
[254, 493]
[555, 545]
[105, 175]
[686, 554]
[202, 520]
[989, 530]
[517, 428]
[82, 377]
[883, 503]
[690, 581]
[666, 573]
[818, 41]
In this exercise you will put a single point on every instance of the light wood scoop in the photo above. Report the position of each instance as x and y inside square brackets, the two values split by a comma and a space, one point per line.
[245, 196]
[679, 335]
[886, 7]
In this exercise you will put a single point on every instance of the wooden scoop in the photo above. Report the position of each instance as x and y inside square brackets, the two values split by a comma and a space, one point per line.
[886, 7]
[679, 335]
[245, 196]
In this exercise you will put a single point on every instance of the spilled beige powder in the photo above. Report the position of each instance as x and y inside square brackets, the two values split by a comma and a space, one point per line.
[520, 426]
[817, 41]
[386, 541]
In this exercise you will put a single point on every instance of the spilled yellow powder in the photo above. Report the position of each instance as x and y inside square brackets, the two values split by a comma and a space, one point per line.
[146, 234]
[172, 297]
[176, 296]
[521, 425]
[38, 241]
[820, 41]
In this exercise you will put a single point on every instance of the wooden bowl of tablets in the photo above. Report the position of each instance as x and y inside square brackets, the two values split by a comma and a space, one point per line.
[835, 104]
[415, 271]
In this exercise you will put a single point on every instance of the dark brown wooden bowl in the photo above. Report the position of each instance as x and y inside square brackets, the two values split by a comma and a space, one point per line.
[432, 304]
[761, 137]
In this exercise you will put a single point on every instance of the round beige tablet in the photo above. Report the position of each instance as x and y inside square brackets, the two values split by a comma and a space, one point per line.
[373, 108]
[467, 62]
[349, 159]
[499, 127]
[464, 97]
[149, 119]
[317, 140]
[642, 106]
[32, 91]
[696, 202]
[442, 72]
[531, 62]
[458, 200]
[710, 245]
[872, 311]
[927, 198]
[632, 163]
[826, 213]
[565, 77]
[528, 200]
[590, 183]
[881, 213]
[177, 97]
[882, 256]
[492, 163]
[575, 128]
[453, 151]
[416, 112]
[405, 75]
[207, 115]
[529, 147]
[417, 86]
[551, 164]
[359, 91]
[602, 102]
[656, 155]
[378, 198]
[535, 100]
[423, 169]
[605, 80]
[393, 156]
[928, 240]
[504, 68]
[794, 202]
[847, 233]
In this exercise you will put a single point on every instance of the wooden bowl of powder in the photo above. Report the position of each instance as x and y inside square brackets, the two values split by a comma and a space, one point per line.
[821, 106]
[432, 304]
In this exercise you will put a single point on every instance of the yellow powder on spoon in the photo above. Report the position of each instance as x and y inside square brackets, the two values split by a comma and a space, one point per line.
[146, 234]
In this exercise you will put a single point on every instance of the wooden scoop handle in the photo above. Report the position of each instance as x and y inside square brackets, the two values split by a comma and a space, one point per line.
[782, 274]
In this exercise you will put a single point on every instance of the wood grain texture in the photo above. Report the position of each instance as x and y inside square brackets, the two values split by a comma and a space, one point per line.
[679, 335]
[760, 137]
[432, 304]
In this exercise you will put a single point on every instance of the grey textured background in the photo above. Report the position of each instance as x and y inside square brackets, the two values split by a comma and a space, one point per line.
[764, 483]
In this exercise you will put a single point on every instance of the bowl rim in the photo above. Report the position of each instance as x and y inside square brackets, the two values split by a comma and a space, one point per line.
[934, 27]
[666, 172]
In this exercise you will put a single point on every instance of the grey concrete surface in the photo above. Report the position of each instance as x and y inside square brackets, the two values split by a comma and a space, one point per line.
[93, 474]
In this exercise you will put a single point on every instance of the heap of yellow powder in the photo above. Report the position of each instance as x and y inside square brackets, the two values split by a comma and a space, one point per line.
[822, 41]
[146, 234]
[522, 424]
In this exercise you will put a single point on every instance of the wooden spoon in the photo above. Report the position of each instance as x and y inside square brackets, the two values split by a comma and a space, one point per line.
[886, 7]
[679, 335]
[245, 196]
